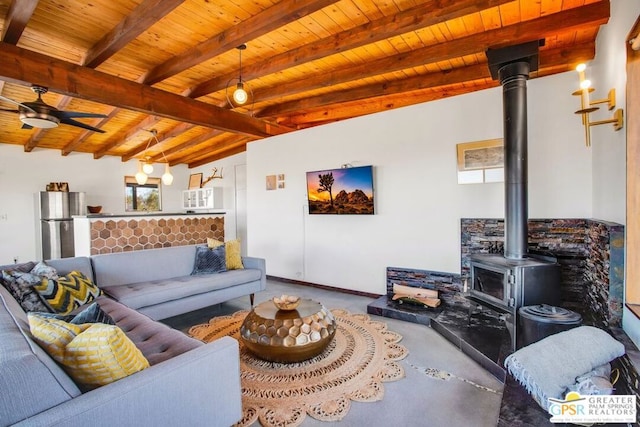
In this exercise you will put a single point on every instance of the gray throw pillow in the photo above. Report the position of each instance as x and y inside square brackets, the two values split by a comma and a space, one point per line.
[209, 261]
[20, 286]
[91, 313]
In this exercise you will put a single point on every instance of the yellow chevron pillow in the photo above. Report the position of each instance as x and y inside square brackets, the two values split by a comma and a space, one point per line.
[93, 354]
[67, 293]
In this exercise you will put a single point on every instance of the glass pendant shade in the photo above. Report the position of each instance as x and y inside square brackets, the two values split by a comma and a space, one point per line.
[147, 168]
[240, 95]
[141, 177]
[167, 178]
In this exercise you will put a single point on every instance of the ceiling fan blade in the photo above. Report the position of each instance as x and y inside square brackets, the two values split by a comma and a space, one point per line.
[68, 114]
[76, 123]
[11, 101]
[9, 111]
[26, 126]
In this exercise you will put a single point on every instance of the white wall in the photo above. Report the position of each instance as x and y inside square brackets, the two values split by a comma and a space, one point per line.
[24, 175]
[418, 201]
[606, 71]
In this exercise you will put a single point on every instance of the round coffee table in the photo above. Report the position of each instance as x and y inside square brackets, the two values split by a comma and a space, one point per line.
[288, 336]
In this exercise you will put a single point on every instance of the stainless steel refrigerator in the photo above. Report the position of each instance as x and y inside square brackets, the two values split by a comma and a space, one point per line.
[57, 209]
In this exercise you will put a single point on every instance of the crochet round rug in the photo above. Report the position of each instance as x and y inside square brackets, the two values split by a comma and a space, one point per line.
[362, 355]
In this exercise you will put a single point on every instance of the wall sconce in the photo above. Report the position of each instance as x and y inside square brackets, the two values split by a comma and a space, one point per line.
[587, 106]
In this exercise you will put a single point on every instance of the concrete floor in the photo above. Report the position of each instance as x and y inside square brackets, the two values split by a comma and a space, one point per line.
[443, 387]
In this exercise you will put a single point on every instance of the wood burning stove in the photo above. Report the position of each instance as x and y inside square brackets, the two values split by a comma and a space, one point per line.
[506, 283]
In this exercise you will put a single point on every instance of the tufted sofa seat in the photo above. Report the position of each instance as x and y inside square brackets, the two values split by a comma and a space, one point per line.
[188, 382]
[155, 340]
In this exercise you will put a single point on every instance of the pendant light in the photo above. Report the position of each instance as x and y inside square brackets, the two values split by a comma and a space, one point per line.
[241, 90]
[145, 167]
[141, 177]
[167, 178]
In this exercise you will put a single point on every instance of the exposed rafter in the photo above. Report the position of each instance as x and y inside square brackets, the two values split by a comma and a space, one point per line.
[165, 64]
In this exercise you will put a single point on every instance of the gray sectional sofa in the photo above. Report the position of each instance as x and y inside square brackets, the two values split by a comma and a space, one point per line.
[188, 382]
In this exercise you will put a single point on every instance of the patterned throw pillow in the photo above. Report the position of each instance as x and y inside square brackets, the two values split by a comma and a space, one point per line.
[90, 314]
[43, 269]
[93, 354]
[233, 252]
[20, 286]
[67, 293]
[209, 261]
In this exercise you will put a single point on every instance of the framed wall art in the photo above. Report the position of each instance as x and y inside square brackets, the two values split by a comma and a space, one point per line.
[480, 161]
[195, 181]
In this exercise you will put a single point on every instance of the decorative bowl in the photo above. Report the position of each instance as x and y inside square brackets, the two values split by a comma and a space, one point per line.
[94, 209]
[286, 302]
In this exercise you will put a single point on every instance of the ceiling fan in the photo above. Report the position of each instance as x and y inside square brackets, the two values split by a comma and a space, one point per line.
[38, 114]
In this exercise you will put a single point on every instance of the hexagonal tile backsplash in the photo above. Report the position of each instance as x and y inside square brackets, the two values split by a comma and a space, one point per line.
[128, 234]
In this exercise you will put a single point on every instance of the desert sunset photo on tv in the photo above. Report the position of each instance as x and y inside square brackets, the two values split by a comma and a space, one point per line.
[346, 191]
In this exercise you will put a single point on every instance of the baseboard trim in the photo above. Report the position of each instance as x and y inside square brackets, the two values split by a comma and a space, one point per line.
[326, 287]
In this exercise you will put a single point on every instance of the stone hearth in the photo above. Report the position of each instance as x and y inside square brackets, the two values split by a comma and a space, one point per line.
[591, 256]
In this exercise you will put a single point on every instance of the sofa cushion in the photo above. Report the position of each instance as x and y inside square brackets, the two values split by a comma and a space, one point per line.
[157, 341]
[66, 265]
[209, 261]
[31, 378]
[149, 293]
[67, 293]
[140, 266]
[94, 354]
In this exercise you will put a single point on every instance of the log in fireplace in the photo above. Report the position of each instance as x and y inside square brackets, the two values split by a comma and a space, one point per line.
[507, 282]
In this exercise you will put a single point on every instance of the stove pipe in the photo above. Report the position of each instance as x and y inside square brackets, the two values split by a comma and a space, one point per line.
[513, 78]
[512, 66]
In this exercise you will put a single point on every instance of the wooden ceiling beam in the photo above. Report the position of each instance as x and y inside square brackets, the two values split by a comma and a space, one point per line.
[212, 133]
[270, 19]
[591, 15]
[77, 141]
[429, 13]
[548, 58]
[28, 67]
[116, 141]
[240, 148]
[159, 139]
[138, 21]
[551, 62]
[18, 15]
[376, 105]
[209, 149]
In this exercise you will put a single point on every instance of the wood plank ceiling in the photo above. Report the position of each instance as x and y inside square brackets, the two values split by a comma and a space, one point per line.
[166, 64]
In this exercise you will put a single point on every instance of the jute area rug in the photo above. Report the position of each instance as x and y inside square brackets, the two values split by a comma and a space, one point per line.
[362, 355]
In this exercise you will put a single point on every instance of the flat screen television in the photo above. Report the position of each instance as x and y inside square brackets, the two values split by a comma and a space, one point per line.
[344, 191]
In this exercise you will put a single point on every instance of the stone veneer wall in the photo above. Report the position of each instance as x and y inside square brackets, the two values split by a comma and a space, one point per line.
[128, 234]
[590, 254]
[448, 285]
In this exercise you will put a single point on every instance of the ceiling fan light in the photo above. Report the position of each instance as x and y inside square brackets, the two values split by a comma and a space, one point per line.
[167, 178]
[240, 95]
[147, 168]
[37, 122]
